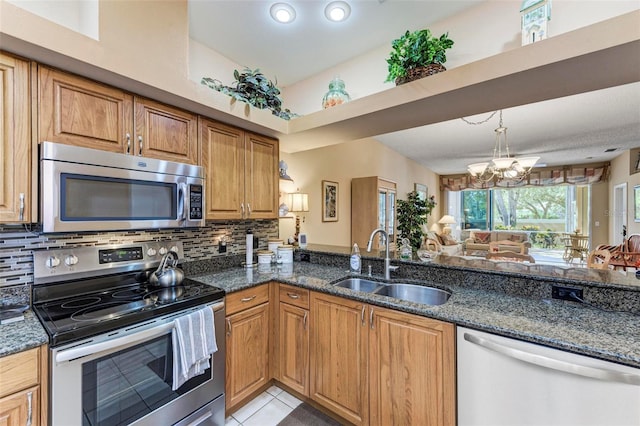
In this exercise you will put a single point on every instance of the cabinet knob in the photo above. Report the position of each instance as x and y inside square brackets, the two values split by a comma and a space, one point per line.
[140, 146]
[128, 136]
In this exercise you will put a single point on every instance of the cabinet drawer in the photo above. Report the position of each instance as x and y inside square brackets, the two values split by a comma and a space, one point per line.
[294, 296]
[19, 371]
[248, 298]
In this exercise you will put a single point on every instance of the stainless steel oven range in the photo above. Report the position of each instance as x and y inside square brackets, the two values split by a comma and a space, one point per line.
[111, 351]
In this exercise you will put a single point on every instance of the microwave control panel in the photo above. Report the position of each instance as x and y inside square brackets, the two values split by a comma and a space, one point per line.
[195, 202]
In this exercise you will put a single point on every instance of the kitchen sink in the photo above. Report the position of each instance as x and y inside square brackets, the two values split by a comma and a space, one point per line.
[414, 293]
[359, 284]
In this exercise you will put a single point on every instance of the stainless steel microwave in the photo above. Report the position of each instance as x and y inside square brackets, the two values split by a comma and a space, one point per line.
[84, 189]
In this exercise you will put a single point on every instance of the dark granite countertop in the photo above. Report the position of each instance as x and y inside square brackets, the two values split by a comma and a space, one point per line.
[484, 301]
[22, 335]
[612, 336]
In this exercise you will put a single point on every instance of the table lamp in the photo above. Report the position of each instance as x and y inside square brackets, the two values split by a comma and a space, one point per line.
[447, 220]
[299, 203]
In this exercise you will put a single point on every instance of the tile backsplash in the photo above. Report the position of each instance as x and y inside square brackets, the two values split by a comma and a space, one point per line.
[18, 244]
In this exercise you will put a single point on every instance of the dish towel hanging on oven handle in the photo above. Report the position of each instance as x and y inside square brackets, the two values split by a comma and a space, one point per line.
[194, 340]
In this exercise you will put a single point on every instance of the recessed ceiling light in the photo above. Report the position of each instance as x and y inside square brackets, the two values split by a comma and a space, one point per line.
[282, 12]
[337, 11]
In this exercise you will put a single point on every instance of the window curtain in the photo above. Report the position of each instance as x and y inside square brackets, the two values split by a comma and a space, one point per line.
[582, 174]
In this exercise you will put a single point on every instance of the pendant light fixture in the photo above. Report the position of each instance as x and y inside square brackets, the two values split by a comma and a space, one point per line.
[502, 166]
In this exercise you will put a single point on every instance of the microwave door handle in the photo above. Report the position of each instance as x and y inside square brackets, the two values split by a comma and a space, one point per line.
[182, 195]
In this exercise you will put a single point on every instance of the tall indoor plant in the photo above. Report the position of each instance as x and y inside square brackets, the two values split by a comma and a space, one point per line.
[417, 54]
[412, 214]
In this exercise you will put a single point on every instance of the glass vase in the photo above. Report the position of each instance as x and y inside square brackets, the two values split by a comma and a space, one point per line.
[336, 94]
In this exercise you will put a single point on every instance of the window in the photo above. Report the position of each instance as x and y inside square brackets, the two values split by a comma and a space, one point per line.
[548, 210]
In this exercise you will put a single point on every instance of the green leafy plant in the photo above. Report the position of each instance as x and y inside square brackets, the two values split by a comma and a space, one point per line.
[412, 214]
[252, 87]
[416, 49]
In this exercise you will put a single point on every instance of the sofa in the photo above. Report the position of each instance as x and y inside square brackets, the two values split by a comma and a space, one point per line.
[478, 240]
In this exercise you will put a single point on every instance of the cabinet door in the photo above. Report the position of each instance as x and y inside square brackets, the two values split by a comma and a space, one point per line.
[21, 408]
[15, 142]
[294, 348]
[76, 111]
[223, 159]
[165, 133]
[339, 337]
[261, 184]
[411, 370]
[247, 354]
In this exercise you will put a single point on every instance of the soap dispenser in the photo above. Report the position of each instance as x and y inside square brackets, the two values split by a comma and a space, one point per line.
[355, 261]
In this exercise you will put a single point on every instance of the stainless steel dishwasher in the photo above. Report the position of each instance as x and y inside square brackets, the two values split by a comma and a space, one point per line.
[508, 382]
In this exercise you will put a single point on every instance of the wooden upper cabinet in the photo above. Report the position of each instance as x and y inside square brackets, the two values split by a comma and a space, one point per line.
[77, 111]
[261, 181]
[81, 112]
[165, 132]
[242, 172]
[222, 156]
[15, 140]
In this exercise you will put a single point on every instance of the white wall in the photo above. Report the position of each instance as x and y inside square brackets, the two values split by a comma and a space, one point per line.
[488, 29]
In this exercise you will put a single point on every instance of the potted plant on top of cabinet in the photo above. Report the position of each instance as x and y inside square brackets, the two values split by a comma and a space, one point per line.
[416, 55]
[253, 88]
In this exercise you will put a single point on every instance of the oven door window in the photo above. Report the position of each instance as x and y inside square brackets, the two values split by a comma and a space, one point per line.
[124, 386]
[93, 198]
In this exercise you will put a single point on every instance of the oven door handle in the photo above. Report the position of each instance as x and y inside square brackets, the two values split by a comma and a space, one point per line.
[82, 351]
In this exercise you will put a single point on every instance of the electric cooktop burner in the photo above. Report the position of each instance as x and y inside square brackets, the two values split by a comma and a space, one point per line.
[89, 314]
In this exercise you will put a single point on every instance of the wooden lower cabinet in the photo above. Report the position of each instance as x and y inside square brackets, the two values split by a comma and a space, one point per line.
[366, 364]
[411, 370]
[23, 384]
[247, 363]
[339, 338]
[21, 408]
[293, 339]
[378, 366]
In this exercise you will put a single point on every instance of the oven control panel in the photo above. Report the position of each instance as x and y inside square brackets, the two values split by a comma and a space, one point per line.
[120, 254]
[72, 263]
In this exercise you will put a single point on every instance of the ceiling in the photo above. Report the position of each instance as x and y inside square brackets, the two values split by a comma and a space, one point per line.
[570, 130]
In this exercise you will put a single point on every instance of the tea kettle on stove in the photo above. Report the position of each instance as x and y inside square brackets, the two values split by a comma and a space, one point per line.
[167, 274]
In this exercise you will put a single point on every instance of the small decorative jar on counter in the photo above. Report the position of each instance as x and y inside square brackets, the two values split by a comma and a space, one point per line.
[285, 254]
[336, 94]
[265, 257]
[273, 245]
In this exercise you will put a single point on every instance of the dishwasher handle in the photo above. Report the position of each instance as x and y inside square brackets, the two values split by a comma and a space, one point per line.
[555, 364]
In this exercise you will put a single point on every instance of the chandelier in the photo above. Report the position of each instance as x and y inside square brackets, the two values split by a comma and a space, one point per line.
[502, 166]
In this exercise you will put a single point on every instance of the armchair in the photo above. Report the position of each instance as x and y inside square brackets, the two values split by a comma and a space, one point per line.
[442, 244]
[625, 255]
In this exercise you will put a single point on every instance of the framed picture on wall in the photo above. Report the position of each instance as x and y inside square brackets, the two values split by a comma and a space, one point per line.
[422, 191]
[329, 201]
[636, 203]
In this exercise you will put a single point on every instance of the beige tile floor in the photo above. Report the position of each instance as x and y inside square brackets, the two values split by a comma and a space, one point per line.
[267, 409]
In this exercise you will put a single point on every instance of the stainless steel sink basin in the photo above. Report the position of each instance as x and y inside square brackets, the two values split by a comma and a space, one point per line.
[415, 293]
[359, 284]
